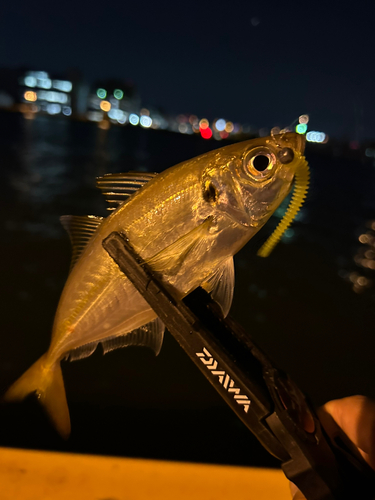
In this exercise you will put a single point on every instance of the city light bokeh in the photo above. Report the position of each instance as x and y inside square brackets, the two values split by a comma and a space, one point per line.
[118, 103]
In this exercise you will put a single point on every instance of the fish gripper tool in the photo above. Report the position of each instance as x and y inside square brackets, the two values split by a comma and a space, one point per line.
[264, 397]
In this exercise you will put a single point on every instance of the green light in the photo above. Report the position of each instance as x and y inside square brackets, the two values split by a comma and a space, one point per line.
[119, 94]
[301, 128]
[101, 93]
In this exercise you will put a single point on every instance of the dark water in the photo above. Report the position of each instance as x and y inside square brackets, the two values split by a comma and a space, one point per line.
[295, 304]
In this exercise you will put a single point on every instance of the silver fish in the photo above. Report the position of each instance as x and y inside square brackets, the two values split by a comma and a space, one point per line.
[187, 223]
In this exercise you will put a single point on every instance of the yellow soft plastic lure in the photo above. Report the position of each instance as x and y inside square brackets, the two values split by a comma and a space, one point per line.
[301, 185]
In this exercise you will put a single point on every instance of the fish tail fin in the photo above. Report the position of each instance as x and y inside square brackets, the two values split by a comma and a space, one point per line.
[47, 382]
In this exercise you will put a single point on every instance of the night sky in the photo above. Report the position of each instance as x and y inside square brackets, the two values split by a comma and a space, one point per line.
[262, 63]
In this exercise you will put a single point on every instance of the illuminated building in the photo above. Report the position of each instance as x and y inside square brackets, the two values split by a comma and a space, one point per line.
[48, 94]
[115, 99]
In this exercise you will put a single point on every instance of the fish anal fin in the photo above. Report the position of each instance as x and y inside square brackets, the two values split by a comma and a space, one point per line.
[221, 285]
[170, 259]
[149, 335]
[80, 229]
[81, 352]
[116, 188]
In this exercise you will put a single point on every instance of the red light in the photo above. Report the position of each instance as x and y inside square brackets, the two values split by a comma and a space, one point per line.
[224, 134]
[206, 133]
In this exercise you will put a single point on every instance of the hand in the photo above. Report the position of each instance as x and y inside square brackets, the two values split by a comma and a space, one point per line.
[355, 416]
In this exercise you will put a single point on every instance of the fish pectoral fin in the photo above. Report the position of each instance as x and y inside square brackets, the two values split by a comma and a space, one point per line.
[116, 188]
[221, 285]
[149, 335]
[80, 229]
[170, 259]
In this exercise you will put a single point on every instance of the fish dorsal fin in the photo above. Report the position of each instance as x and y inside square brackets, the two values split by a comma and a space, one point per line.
[149, 335]
[221, 285]
[117, 188]
[80, 229]
[170, 259]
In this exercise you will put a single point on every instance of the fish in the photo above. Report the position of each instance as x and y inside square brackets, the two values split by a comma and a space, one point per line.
[187, 223]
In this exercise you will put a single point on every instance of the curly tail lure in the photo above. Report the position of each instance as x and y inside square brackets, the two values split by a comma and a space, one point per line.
[302, 179]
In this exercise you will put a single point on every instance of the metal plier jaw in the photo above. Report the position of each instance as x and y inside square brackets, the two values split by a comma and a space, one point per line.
[267, 401]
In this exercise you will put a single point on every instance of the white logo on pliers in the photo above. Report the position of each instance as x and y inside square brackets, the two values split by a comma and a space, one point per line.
[224, 379]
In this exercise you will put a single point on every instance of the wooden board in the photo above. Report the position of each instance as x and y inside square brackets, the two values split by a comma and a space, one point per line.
[37, 475]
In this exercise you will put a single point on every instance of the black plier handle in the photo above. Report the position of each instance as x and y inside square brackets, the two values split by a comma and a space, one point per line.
[262, 396]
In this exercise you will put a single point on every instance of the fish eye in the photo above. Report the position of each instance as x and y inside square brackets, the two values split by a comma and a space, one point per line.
[259, 163]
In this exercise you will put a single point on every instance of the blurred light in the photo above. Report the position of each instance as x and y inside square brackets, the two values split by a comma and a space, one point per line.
[119, 94]
[53, 109]
[229, 127]
[145, 121]
[156, 122]
[362, 281]
[237, 128]
[52, 96]
[105, 106]
[354, 145]
[134, 119]
[289, 234]
[67, 110]
[193, 119]
[101, 93]
[183, 128]
[63, 85]
[314, 136]
[114, 102]
[122, 119]
[145, 112]
[104, 124]
[369, 152]
[353, 277]
[364, 238]
[224, 134]
[220, 124]
[203, 124]
[206, 133]
[115, 114]
[95, 116]
[30, 96]
[301, 128]
[275, 130]
[304, 119]
[38, 74]
[44, 83]
[30, 81]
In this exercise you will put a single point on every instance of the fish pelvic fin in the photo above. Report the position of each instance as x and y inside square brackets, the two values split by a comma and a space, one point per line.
[47, 383]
